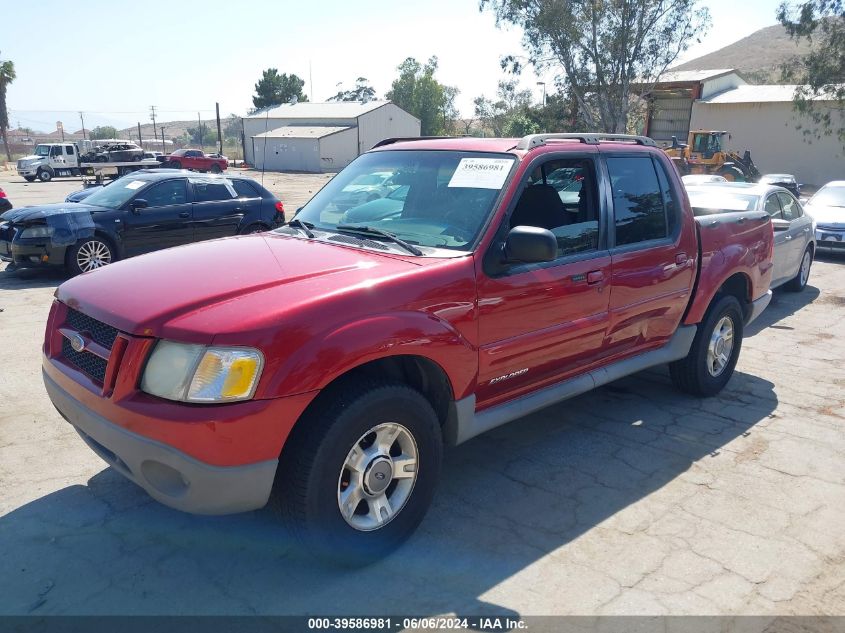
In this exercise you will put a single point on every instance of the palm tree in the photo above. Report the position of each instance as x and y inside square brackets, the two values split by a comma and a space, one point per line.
[7, 76]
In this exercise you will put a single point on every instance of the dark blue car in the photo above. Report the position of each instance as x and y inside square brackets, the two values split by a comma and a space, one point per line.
[142, 212]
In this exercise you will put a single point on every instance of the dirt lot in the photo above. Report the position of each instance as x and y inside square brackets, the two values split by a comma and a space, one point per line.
[632, 499]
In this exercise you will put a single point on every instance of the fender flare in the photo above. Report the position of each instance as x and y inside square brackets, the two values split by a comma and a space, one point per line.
[327, 356]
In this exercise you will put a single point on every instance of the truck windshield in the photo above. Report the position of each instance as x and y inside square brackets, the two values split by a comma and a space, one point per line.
[443, 198]
[117, 193]
[42, 150]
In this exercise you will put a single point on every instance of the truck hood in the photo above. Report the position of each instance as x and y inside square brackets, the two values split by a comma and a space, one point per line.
[238, 284]
[44, 211]
[32, 157]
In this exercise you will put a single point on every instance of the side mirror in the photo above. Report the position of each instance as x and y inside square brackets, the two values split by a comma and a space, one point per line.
[530, 244]
[779, 225]
[138, 204]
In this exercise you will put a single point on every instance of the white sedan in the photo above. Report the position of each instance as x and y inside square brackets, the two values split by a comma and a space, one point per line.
[828, 210]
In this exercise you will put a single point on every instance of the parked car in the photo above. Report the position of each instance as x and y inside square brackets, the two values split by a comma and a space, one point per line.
[148, 211]
[380, 208]
[81, 194]
[153, 155]
[701, 179]
[115, 153]
[366, 188]
[827, 207]
[337, 359]
[5, 203]
[795, 242]
[787, 181]
[195, 159]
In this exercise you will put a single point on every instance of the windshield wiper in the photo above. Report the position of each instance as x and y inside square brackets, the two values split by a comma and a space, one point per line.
[305, 227]
[369, 230]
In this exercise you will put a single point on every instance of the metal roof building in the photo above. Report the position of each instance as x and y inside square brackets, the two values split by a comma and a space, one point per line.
[318, 137]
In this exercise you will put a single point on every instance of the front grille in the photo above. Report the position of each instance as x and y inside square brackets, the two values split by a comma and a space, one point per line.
[824, 227]
[97, 330]
[89, 363]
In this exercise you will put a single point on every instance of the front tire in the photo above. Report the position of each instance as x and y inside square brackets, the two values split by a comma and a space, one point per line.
[799, 282]
[359, 471]
[29, 178]
[89, 254]
[45, 175]
[714, 351]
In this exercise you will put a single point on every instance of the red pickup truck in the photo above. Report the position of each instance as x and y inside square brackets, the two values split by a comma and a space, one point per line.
[195, 159]
[326, 370]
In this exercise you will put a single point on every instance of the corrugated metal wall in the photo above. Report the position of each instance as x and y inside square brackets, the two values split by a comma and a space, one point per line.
[338, 150]
[387, 121]
[288, 154]
[670, 115]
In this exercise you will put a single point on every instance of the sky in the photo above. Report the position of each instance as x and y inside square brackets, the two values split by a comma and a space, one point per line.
[114, 60]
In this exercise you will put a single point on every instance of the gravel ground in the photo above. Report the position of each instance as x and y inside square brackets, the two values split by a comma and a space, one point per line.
[632, 499]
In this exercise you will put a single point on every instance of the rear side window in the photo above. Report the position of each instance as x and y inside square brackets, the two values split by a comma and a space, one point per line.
[791, 208]
[773, 207]
[245, 189]
[638, 208]
[211, 191]
[69, 150]
[165, 193]
[673, 207]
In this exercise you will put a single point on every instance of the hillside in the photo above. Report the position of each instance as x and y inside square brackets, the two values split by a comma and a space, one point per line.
[172, 129]
[757, 57]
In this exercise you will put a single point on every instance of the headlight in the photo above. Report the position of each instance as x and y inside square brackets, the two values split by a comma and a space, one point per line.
[36, 231]
[196, 373]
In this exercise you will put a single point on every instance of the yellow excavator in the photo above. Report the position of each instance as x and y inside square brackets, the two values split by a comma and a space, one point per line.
[704, 154]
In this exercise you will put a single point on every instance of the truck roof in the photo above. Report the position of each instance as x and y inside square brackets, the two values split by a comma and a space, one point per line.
[517, 146]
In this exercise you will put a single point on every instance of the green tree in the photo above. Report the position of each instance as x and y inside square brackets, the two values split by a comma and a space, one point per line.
[604, 48]
[201, 135]
[520, 125]
[510, 101]
[418, 92]
[362, 91]
[274, 89]
[232, 127]
[7, 76]
[103, 132]
[821, 73]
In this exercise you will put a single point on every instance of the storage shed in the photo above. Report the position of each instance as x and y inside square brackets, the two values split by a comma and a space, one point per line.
[318, 137]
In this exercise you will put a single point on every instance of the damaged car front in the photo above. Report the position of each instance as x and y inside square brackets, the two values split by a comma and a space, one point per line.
[40, 236]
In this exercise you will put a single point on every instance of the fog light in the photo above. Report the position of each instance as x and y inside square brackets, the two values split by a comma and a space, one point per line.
[45, 258]
[34, 259]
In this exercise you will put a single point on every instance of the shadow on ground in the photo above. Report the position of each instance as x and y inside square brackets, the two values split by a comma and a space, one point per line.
[30, 278]
[507, 500]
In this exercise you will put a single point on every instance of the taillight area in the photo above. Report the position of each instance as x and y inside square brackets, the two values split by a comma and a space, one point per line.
[3, 195]
[279, 206]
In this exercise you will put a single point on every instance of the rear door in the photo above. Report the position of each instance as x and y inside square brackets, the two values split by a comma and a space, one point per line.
[800, 230]
[783, 240]
[165, 222]
[250, 201]
[217, 210]
[653, 251]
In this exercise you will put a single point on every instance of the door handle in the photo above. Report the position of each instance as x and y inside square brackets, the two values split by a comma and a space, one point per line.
[807, 230]
[681, 259]
[184, 214]
[595, 277]
[787, 237]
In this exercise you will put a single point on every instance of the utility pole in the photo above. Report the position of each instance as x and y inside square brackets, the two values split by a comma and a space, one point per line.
[219, 133]
[199, 127]
[83, 127]
[153, 117]
[141, 145]
[163, 149]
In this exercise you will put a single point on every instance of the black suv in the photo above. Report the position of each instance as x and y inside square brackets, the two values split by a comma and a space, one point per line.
[144, 211]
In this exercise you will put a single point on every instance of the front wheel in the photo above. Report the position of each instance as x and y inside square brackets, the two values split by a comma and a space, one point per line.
[799, 282]
[29, 178]
[45, 175]
[714, 352]
[359, 472]
[89, 254]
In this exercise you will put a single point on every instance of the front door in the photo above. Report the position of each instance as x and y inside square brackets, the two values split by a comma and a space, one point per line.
[799, 233]
[164, 222]
[540, 323]
[783, 240]
[653, 252]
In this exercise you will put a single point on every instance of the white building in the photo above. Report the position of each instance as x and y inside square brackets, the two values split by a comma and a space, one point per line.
[317, 137]
[759, 118]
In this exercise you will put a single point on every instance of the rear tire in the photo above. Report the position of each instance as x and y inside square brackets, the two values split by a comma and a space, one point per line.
[799, 282]
[359, 471]
[215, 169]
[175, 164]
[714, 352]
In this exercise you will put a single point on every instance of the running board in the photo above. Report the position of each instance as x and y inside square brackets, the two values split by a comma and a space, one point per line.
[465, 423]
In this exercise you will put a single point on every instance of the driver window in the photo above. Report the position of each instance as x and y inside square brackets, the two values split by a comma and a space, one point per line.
[773, 207]
[560, 195]
[165, 193]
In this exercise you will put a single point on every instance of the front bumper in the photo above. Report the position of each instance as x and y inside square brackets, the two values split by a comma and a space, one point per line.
[167, 474]
[829, 238]
[34, 255]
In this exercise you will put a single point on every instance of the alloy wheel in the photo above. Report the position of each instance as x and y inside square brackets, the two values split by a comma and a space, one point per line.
[93, 254]
[720, 347]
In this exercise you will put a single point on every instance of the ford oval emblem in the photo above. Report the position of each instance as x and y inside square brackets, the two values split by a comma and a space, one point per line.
[77, 342]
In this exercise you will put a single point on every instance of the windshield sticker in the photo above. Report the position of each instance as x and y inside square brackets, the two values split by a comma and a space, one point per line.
[135, 184]
[481, 173]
